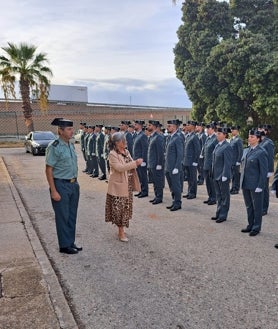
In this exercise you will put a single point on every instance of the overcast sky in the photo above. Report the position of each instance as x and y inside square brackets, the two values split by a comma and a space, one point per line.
[121, 50]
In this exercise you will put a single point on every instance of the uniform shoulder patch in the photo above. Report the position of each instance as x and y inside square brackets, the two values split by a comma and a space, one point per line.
[55, 143]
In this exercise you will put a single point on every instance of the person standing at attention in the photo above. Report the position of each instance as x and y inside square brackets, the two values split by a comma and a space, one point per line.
[200, 132]
[253, 178]
[206, 154]
[156, 161]
[129, 138]
[82, 136]
[237, 146]
[173, 163]
[140, 150]
[61, 174]
[221, 173]
[191, 154]
[123, 180]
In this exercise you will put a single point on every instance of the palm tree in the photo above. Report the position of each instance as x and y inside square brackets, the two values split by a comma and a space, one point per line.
[29, 68]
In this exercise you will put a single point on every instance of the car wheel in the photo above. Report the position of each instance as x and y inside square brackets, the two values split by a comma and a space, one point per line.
[34, 152]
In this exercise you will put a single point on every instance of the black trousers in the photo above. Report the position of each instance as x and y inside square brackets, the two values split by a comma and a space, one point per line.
[254, 206]
[158, 180]
[174, 182]
[235, 178]
[66, 211]
[143, 179]
[222, 190]
[266, 196]
[210, 185]
[191, 179]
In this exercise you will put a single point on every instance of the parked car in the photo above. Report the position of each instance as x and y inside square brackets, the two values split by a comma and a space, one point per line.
[36, 142]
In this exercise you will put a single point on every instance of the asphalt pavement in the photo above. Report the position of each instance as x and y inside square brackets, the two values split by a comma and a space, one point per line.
[178, 270]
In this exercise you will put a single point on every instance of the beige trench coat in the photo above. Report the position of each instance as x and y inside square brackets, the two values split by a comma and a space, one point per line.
[118, 179]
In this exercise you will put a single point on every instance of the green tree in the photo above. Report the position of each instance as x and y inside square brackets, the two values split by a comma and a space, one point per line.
[23, 64]
[205, 25]
[227, 59]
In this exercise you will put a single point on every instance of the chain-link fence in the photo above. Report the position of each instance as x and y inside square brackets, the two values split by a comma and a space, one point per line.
[12, 122]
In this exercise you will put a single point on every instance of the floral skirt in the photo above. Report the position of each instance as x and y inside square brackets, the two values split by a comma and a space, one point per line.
[118, 210]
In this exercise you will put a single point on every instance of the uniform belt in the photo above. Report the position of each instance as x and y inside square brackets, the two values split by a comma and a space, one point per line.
[72, 180]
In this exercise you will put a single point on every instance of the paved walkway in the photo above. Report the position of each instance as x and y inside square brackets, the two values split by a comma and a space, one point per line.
[30, 294]
[179, 270]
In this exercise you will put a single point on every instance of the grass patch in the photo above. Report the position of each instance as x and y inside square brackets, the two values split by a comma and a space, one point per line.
[11, 144]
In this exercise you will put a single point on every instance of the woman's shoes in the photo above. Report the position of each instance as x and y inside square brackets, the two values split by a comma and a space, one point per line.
[123, 238]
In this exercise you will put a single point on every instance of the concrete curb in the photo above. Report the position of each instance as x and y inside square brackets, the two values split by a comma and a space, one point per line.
[56, 295]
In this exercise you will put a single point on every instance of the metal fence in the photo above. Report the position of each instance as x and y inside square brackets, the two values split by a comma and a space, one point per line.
[12, 122]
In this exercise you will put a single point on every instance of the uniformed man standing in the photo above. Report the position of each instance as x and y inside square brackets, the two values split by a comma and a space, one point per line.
[200, 132]
[140, 150]
[156, 161]
[106, 150]
[173, 163]
[82, 136]
[89, 150]
[129, 139]
[221, 173]
[99, 151]
[61, 174]
[84, 148]
[192, 150]
[237, 146]
[206, 154]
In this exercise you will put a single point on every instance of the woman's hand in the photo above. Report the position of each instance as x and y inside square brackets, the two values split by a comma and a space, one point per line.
[138, 161]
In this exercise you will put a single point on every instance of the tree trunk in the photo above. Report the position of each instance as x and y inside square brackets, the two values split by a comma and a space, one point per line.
[26, 106]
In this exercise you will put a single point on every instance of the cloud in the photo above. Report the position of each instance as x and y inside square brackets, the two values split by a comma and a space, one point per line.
[103, 42]
[167, 92]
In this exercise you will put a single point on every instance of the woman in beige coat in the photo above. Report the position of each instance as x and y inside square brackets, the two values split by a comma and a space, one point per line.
[123, 180]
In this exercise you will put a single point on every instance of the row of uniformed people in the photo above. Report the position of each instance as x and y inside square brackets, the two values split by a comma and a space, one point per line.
[223, 162]
[195, 156]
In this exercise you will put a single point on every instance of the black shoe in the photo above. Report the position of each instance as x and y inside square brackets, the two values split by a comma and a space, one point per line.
[69, 250]
[200, 182]
[74, 246]
[169, 207]
[214, 218]
[206, 201]
[264, 213]
[191, 196]
[234, 192]
[94, 176]
[276, 246]
[185, 196]
[175, 208]
[210, 203]
[137, 194]
[103, 177]
[152, 200]
[246, 230]
[85, 170]
[254, 233]
[157, 201]
[142, 195]
[220, 220]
